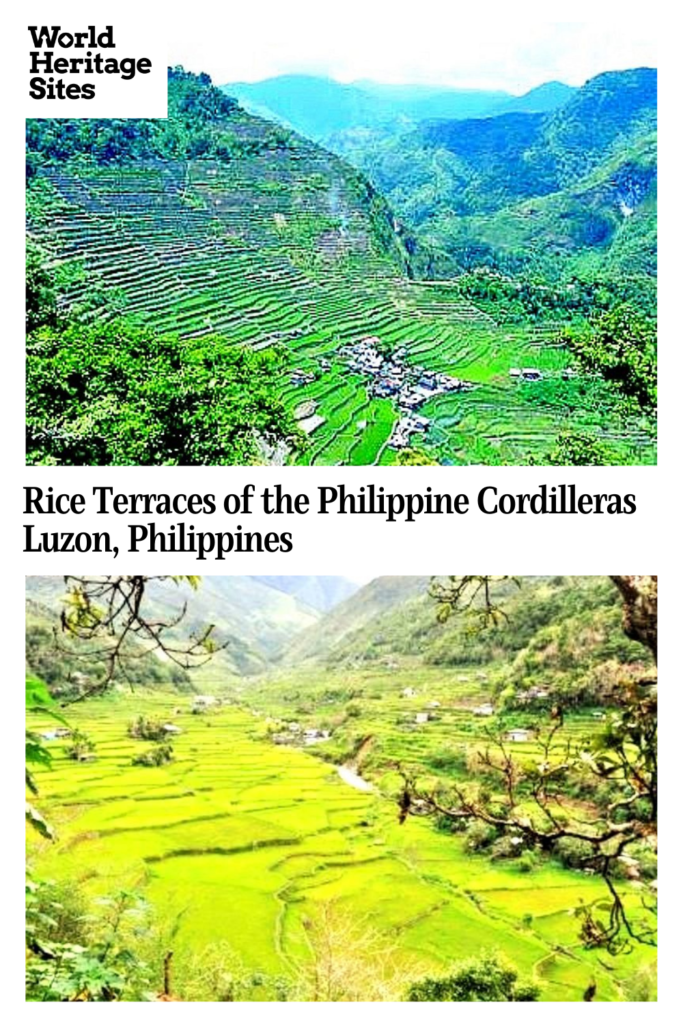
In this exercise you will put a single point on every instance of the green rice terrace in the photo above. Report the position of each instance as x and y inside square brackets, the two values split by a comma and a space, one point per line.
[241, 842]
[281, 244]
[288, 825]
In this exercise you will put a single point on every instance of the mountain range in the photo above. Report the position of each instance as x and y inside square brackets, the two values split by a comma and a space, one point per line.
[525, 186]
[256, 617]
[553, 629]
[323, 109]
[217, 224]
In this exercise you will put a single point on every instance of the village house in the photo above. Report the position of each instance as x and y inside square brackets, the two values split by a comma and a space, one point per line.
[531, 373]
[312, 736]
[171, 730]
[532, 694]
[299, 377]
[55, 734]
[202, 702]
[409, 692]
[422, 717]
[484, 710]
[519, 735]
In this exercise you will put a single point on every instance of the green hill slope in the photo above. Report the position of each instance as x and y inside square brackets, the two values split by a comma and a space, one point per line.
[252, 616]
[558, 631]
[525, 189]
[216, 223]
[353, 616]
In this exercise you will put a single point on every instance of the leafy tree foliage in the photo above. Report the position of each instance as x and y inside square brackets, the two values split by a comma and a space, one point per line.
[120, 394]
[487, 978]
[529, 801]
[582, 450]
[86, 958]
[201, 122]
[620, 344]
[41, 296]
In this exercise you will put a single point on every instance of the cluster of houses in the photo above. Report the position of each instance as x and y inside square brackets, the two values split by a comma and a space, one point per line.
[409, 385]
[405, 428]
[529, 373]
[295, 735]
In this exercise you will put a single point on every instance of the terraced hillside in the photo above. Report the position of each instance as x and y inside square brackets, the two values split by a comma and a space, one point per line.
[278, 242]
[239, 844]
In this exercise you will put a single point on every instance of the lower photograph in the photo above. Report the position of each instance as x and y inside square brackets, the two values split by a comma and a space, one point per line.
[330, 789]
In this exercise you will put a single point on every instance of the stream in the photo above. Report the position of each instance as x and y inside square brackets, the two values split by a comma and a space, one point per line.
[352, 778]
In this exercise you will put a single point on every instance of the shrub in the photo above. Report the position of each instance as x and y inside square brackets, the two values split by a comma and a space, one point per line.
[157, 756]
[480, 836]
[573, 853]
[488, 978]
[506, 848]
[147, 729]
[81, 747]
[55, 912]
[527, 862]
[100, 967]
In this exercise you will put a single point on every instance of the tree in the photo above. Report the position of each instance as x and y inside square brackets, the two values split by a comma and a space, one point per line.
[115, 393]
[487, 978]
[107, 613]
[572, 449]
[621, 345]
[348, 960]
[529, 803]
[41, 297]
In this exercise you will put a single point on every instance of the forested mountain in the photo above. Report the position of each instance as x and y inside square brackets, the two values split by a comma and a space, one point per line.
[203, 289]
[595, 154]
[322, 108]
[555, 632]
[254, 616]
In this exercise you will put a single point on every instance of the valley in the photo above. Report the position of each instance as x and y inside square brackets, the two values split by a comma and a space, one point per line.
[271, 844]
[225, 233]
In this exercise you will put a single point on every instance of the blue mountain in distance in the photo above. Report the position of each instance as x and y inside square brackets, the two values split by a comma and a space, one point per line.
[540, 100]
[320, 107]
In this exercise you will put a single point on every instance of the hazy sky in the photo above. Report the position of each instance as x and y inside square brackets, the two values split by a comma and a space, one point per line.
[427, 41]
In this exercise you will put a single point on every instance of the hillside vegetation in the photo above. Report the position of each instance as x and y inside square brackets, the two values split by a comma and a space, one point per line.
[170, 819]
[255, 617]
[194, 284]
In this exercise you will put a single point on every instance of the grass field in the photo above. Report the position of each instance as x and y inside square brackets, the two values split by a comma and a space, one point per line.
[242, 842]
[251, 251]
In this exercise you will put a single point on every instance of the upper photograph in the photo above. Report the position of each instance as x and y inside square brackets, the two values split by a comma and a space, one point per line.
[353, 249]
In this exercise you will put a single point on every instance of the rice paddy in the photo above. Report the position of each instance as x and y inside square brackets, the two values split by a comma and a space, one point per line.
[242, 842]
[278, 249]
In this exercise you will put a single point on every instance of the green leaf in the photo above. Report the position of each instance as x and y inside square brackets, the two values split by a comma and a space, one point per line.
[37, 821]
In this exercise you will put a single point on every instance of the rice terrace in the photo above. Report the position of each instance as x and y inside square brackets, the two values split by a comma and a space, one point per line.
[231, 291]
[358, 792]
